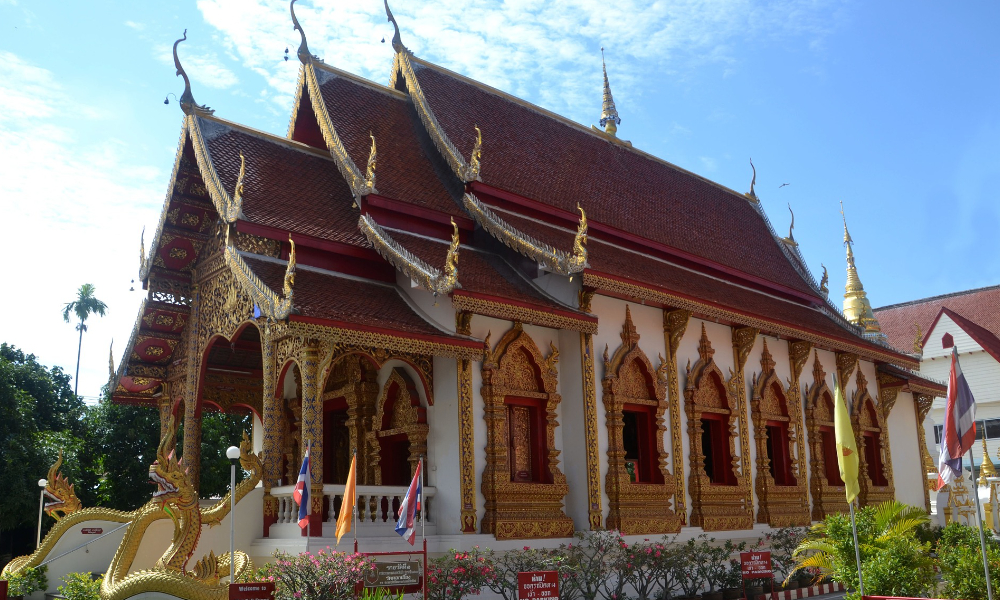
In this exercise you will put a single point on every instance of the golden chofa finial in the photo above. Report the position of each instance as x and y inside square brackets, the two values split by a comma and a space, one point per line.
[397, 41]
[790, 240]
[305, 57]
[609, 114]
[752, 195]
[918, 340]
[188, 105]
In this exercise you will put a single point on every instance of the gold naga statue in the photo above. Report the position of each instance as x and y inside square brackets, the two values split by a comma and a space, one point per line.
[177, 500]
[60, 490]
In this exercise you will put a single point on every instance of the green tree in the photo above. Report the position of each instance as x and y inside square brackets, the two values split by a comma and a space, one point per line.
[219, 431]
[893, 561]
[39, 413]
[86, 304]
[962, 562]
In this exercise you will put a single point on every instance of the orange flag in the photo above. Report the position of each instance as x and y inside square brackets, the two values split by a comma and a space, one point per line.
[350, 497]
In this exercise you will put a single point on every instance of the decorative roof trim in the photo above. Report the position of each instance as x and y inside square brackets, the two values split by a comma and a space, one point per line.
[272, 306]
[296, 103]
[188, 105]
[418, 270]
[641, 292]
[146, 262]
[359, 184]
[116, 376]
[470, 349]
[545, 255]
[465, 171]
[229, 208]
[509, 311]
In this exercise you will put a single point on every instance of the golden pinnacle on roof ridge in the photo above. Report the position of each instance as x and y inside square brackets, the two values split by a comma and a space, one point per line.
[305, 57]
[986, 469]
[188, 105]
[609, 114]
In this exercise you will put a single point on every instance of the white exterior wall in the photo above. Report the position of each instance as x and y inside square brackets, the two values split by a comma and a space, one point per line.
[907, 470]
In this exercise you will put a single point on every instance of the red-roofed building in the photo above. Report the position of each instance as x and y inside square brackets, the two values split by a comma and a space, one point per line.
[970, 322]
[571, 333]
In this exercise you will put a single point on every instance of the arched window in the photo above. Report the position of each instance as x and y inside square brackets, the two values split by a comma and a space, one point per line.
[640, 488]
[875, 479]
[718, 498]
[826, 487]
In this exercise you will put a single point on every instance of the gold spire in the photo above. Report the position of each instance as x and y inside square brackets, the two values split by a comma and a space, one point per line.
[986, 469]
[609, 114]
[857, 308]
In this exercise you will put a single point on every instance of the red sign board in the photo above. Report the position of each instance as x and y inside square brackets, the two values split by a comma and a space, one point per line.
[533, 585]
[91, 531]
[257, 590]
[756, 565]
[3, 589]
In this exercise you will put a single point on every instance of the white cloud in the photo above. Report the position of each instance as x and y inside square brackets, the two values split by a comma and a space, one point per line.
[204, 68]
[134, 25]
[72, 212]
[547, 52]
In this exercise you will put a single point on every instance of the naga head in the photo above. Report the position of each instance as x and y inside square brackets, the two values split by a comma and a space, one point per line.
[64, 500]
[169, 474]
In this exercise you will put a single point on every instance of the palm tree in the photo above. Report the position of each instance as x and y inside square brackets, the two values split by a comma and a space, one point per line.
[86, 304]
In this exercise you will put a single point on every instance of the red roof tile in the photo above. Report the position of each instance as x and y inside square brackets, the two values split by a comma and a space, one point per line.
[980, 306]
[348, 302]
[404, 169]
[546, 159]
[286, 186]
[645, 270]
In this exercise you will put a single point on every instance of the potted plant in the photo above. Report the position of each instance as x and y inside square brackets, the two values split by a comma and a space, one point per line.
[690, 576]
[27, 581]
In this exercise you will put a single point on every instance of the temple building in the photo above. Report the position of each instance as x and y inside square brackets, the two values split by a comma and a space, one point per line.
[572, 333]
[970, 322]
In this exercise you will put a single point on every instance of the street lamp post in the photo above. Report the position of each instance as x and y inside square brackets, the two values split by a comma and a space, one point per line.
[41, 507]
[233, 454]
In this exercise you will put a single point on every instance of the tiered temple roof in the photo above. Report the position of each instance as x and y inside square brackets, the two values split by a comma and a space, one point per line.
[376, 184]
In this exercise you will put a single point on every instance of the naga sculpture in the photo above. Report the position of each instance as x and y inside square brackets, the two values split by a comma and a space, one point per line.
[177, 498]
[61, 491]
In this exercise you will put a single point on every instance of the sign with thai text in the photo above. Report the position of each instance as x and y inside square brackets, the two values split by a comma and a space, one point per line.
[534, 585]
[91, 531]
[394, 574]
[756, 565]
[257, 590]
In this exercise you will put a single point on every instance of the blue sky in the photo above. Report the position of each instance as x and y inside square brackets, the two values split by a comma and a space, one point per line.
[891, 107]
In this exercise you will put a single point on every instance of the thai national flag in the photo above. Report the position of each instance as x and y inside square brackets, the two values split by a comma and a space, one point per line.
[406, 526]
[959, 424]
[301, 492]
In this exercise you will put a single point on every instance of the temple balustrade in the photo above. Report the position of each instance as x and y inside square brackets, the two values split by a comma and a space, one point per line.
[378, 509]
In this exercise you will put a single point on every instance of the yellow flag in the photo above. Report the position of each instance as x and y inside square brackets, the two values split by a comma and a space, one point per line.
[347, 508]
[847, 447]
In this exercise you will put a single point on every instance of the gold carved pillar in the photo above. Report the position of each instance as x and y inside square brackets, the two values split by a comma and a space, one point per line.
[675, 323]
[594, 509]
[466, 431]
[924, 402]
[743, 340]
[192, 402]
[272, 427]
[312, 432]
[165, 405]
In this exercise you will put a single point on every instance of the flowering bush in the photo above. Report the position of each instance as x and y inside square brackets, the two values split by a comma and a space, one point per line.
[508, 564]
[459, 574]
[586, 566]
[27, 581]
[324, 575]
[782, 544]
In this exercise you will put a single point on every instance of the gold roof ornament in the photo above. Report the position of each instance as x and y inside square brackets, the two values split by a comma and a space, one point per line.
[918, 340]
[370, 170]
[790, 240]
[986, 469]
[188, 105]
[752, 195]
[111, 361]
[305, 57]
[609, 114]
[824, 284]
[430, 278]
[397, 41]
[857, 307]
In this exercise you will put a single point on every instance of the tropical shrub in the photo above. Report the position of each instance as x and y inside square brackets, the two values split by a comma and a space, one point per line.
[324, 575]
[507, 565]
[586, 564]
[893, 561]
[652, 569]
[690, 576]
[28, 581]
[782, 544]
[960, 555]
[459, 574]
[81, 586]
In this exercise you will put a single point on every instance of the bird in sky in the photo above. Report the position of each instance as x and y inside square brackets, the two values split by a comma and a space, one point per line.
[783, 185]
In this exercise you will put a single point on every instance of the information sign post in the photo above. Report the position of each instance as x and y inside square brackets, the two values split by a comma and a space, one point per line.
[538, 585]
[756, 565]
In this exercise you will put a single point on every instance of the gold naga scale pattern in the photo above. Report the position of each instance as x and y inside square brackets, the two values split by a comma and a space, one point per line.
[430, 278]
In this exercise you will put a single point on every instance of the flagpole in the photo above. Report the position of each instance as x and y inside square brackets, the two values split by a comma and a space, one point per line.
[857, 550]
[423, 503]
[309, 483]
[354, 509]
[979, 520]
